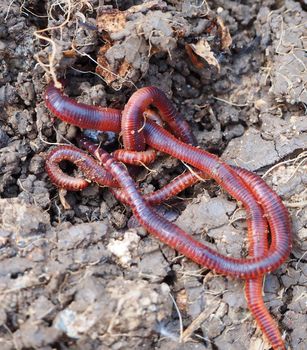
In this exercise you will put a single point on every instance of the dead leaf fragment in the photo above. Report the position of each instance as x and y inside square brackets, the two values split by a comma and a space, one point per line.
[202, 51]
[110, 21]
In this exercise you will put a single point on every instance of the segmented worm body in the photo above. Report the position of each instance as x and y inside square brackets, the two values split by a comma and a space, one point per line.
[72, 112]
[132, 121]
[133, 157]
[84, 162]
[258, 246]
[159, 139]
[168, 191]
[242, 185]
[94, 172]
[258, 243]
[168, 232]
[278, 216]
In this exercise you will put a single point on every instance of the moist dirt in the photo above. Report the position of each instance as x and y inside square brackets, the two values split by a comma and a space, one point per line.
[76, 270]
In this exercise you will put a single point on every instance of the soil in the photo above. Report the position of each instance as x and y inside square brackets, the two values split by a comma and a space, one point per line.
[80, 273]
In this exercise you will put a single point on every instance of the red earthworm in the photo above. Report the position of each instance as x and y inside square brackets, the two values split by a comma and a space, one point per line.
[160, 139]
[131, 125]
[253, 287]
[258, 246]
[108, 119]
[95, 173]
[157, 225]
[170, 190]
[278, 217]
[136, 100]
[269, 205]
[166, 231]
[70, 111]
[133, 157]
[103, 119]
[83, 161]
[258, 240]
[269, 327]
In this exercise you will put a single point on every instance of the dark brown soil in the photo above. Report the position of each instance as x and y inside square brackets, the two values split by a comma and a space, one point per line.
[89, 277]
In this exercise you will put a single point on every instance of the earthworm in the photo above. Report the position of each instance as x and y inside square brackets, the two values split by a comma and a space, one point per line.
[173, 235]
[277, 215]
[70, 111]
[168, 191]
[166, 231]
[132, 123]
[258, 246]
[95, 173]
[133, 157]
[258, 240]
[159, 139]
[226, 176]
[103, 119]
[83, 161]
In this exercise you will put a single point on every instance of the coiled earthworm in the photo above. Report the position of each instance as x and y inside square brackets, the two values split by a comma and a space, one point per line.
[167, 232]
[93, 172]
[258, 245]
[200, 253]
[258, 241]
[168, 191]
[103, 119]
[159, 139]
[131, 123]
[277, 217]
[89, 167]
